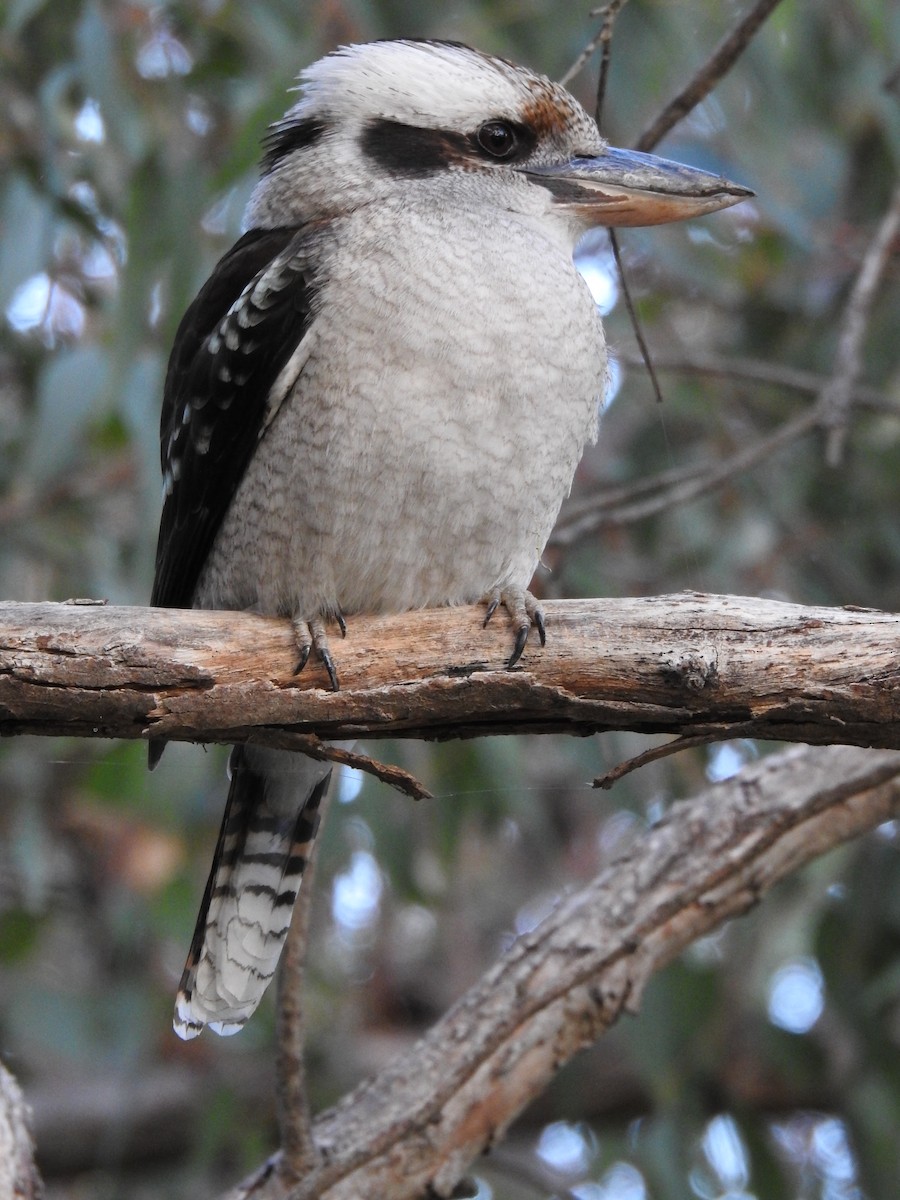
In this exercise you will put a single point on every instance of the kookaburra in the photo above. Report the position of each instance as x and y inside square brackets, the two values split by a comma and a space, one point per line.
[378, 400]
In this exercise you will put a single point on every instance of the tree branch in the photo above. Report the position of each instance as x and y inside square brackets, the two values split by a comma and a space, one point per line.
[420, 1122]
[298, 1149]
[662, 492]
[768, 374]
[836, 397]
[689, 664]
[717, 65]
[611, 505]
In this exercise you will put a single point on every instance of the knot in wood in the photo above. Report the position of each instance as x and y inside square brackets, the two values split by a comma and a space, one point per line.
[694, 669]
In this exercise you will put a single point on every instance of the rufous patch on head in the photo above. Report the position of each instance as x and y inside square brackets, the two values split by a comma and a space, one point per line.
[558, 119]
[545, 113]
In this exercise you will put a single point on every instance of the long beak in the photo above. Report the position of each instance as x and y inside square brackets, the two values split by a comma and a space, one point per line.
[625, 187]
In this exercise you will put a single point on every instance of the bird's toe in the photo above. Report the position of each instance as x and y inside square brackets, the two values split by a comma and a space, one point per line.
[312, 635]
[524, 611]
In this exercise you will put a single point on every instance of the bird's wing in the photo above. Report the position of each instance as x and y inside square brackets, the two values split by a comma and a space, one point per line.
[231, 346]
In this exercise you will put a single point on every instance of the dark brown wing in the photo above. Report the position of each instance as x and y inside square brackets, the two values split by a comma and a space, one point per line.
[232, 342]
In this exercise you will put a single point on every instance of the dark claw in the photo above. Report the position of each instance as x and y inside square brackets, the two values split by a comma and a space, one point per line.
[491, 609]
[342, 624]
[328, 664]
[304, 659]
[538, 619]
[521, 639]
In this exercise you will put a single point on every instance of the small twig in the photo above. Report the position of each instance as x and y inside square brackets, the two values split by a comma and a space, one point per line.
[299, 1153]
[609, 14]
[603, 39]
[752, 370]
[623, 504]
[633, 317]
[603, 34]
[678, 487]
[405, 783]
[836, 396]
[582, 58]
[396, 777]
[655, 753]
[719, 63]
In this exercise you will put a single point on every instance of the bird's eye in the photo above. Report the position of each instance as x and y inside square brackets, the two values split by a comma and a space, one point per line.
[497, 138]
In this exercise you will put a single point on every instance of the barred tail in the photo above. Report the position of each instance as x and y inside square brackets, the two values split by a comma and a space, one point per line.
[269, 825]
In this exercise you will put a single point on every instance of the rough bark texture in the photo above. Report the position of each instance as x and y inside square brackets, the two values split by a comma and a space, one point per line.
[691, 664]
[413, 1129]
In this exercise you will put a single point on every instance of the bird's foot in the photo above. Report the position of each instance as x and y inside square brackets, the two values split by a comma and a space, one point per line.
[524, 612]
[311, 635]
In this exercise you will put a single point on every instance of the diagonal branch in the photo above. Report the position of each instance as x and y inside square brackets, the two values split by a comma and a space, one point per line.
[624, 505]
[717, 65]
[602, 37]
[419, 1123]
[614, 505]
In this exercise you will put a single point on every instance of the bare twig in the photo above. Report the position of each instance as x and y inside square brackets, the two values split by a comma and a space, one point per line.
[633, 317]
[754, 370]
[613, 502]
[602, 510]
[836, 396]
[622, 504]
[299, 1154]
[717, 65]
[395, 777]
[603, 39]
[655, 753]
[608, 12]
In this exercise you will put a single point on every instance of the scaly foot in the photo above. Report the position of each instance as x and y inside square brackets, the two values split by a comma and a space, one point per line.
[311, 635]
[524, 611]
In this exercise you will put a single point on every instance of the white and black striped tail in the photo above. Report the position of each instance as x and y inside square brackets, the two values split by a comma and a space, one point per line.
[269, 825]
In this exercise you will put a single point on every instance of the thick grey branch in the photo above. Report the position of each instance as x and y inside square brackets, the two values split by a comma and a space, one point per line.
[419, 1123]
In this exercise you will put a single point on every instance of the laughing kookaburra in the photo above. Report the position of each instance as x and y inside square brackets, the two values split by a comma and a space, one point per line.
[379, 398]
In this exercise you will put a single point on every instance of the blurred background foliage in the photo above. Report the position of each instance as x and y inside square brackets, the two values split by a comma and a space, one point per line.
[766, 1062]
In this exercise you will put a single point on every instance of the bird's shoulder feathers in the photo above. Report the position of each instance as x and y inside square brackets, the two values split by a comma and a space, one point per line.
[232, 343]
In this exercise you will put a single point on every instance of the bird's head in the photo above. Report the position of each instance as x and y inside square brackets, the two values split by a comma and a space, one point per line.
[393, 118]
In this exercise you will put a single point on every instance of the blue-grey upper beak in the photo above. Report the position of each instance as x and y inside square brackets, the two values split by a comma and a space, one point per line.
[626, 187]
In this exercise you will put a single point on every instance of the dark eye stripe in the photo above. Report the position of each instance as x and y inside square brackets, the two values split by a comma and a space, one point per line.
[412, 150]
